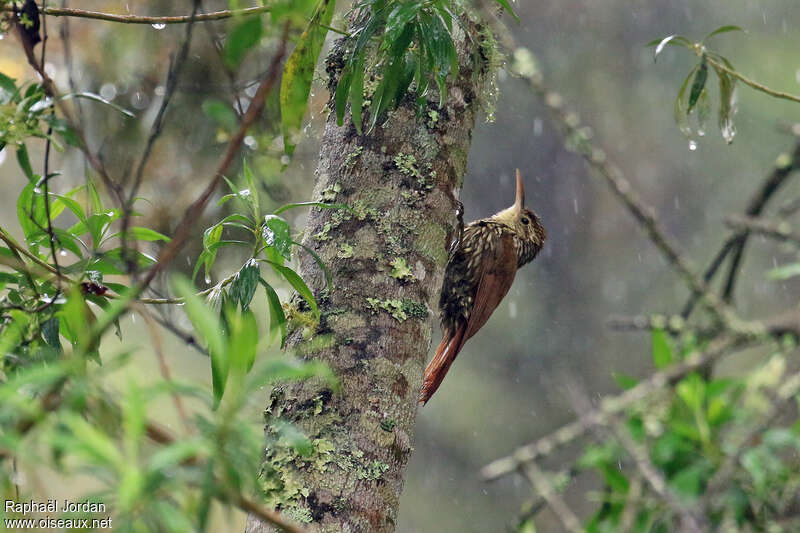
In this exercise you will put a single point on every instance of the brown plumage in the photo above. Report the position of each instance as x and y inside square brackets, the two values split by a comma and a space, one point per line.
[478, 275]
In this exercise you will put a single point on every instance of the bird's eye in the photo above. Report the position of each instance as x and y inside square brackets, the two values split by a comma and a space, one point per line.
[525, 220]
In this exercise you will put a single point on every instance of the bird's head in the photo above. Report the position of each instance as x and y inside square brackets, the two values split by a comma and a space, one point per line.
[523, 221]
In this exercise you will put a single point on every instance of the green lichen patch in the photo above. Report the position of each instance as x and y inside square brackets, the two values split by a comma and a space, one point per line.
[362, 211]
[345, 251]
[322, 235]
[407, 165]
[372, 471]
[388, 425]
[400, 269]
[329, 194]
[299, 514]
[351, 158]
[433, 118]
[400, 310]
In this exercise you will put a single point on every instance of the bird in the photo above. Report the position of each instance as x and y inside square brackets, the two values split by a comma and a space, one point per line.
[480, 270]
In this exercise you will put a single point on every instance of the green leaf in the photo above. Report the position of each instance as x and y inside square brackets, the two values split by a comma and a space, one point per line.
[277, 319]
[143, 234]
[660, 44]
[689, 482]
[25, 163]
[211, 236]
[692, 390]
[703, 112]
[12, 334]
[74, 319]
[67, 241]
[207, 324]
[698, 85]
[245, 283]
[662, 351]
[175, 454]
[244, 36]
[727, 85]
[98, 98]
[251, 199]
[724, 29]
[221, 113]
[243, 339]
[357, 94]
[299, 285]
[89, 442]
[507, 7]
[7, 84]
[299, 72]
[31, 212]
[342, 92]
[50, 333]
[275, 232]
[60, 202]
[681, 104]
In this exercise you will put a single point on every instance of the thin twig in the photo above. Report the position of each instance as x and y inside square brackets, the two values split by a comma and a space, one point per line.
[143, 19]
[46, 176]
[609, 406]
[735, 244]
[163, 367]
[751, 83]
[673, 324]
[777, 230]
[173, 74]
[557, 504]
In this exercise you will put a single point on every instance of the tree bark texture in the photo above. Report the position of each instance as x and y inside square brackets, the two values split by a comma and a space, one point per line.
[386, 257]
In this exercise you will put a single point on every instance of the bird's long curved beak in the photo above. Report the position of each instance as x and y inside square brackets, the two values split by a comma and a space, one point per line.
[520, 202]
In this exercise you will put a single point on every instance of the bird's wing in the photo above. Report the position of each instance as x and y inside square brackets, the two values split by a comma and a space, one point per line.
[498, 268]
[495, 273]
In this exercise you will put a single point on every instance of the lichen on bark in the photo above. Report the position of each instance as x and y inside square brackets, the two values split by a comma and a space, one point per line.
[400, 182]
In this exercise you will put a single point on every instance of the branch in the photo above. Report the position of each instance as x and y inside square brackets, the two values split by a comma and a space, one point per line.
[557, 504]
[777, 230]
[672, 324]
[609, 406]
[754, 84]
[785, 165]
[173, 73]
[140, 19]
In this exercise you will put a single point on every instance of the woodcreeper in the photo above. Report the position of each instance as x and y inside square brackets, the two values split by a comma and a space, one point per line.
[479, 273]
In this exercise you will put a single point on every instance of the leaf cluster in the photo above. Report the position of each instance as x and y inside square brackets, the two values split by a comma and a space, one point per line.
[693, 98]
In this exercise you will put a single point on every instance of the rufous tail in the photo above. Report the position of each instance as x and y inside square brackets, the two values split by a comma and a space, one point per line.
[436, 370]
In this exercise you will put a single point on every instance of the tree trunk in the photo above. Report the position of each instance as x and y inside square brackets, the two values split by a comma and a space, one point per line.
[386, 258]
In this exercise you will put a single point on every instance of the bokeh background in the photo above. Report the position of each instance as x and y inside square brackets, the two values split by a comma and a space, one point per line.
[510, 383]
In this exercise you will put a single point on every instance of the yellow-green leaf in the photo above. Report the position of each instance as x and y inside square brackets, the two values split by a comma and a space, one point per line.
[299, 72]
